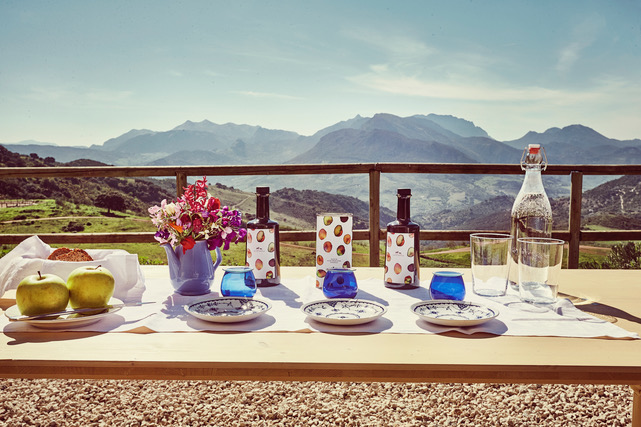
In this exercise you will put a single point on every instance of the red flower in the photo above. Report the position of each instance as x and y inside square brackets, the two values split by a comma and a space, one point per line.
[213, 204]
[197, 225]
[188, 243]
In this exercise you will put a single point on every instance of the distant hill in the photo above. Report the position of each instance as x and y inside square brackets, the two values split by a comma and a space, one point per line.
[137, 193]
[380, 138]
[295, 209]
[615, 204]
[377, 145]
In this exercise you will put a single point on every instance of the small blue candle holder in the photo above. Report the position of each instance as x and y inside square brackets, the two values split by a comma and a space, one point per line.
[340, 283]
[447, 285]
[238, 282]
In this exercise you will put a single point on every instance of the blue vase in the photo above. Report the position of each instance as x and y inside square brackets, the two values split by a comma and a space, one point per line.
[447, 285]
[192, 273]
[238, 282]
[340, 283]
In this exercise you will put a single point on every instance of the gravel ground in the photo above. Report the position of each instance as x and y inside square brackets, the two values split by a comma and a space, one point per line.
[248, 403]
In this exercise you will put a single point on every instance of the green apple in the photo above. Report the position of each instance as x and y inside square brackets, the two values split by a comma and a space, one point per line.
[41, 293]
[90, 287]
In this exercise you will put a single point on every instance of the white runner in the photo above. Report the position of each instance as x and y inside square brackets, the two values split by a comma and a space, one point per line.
[168, 314]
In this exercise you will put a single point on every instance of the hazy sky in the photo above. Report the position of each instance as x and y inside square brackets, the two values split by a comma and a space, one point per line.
[81, 72]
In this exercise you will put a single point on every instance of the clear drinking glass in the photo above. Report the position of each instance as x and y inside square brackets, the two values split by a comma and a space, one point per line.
[490, 253]
[340, 283]
[447, 285]
[539, 269]
[238, 282]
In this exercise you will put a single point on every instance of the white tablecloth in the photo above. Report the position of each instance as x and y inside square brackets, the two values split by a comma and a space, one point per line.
[167, 314]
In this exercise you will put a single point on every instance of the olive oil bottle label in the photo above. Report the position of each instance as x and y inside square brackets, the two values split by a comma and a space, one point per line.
[261, 252]
[400, 259]
[333, 243]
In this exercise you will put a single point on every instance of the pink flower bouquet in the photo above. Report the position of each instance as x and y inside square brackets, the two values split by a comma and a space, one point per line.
[197, 216]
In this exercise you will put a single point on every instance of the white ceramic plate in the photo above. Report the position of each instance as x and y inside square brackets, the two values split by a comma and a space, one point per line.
[344, 311]
[453, 313]
[65, 321]
[228, 309]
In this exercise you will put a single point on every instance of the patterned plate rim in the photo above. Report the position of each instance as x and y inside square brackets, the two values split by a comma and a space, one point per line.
[324, 301]
[492, 312]
[265, 306]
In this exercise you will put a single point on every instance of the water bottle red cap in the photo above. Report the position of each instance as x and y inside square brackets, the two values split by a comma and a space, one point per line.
[534, 148]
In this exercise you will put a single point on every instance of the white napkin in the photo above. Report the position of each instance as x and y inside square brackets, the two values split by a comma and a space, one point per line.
[30, 256]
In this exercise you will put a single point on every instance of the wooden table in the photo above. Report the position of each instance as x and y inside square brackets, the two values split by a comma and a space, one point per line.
[451, 357]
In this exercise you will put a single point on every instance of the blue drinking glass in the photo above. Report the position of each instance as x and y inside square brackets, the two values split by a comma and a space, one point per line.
[238, 282]
[447, 285]
[340, 283]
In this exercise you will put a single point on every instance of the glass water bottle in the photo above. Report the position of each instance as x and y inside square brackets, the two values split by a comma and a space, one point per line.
[531, 212]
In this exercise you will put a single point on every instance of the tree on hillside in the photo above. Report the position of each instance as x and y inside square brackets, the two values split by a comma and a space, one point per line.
[111, 201]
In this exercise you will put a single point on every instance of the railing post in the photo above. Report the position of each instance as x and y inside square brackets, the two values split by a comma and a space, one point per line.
[374, 216]
[576, 196]
[181, 183]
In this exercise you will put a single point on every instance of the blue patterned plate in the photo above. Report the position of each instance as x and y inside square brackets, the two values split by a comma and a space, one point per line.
[228, 309]
[338, 311]
[453, 313]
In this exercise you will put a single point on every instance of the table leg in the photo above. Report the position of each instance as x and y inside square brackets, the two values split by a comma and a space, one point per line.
[636, 406]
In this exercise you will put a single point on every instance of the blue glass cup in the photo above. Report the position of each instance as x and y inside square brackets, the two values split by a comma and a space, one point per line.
[238, 282]
[340, 283]
[447, 285]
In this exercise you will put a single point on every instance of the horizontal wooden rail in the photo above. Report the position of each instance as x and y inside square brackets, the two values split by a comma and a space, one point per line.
[307, 169]
[374, 170]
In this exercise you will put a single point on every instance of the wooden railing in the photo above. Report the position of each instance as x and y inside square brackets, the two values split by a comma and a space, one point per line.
[573, 235]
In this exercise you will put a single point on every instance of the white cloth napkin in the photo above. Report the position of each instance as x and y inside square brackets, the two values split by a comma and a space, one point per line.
[30, 256]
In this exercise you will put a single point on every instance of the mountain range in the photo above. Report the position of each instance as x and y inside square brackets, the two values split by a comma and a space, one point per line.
[380, 138]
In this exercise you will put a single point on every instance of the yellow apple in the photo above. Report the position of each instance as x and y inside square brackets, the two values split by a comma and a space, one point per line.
[41, 293]
[90, 287]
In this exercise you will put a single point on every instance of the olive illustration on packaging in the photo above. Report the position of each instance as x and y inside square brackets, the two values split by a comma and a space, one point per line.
[327, 220]
[338, 230]
[322, 234]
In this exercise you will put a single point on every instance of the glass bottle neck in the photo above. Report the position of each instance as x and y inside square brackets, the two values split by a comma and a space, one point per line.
[262, 207]
[532, 183]
[403, 209]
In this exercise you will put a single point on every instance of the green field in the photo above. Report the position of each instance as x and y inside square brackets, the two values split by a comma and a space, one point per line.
[51, 217]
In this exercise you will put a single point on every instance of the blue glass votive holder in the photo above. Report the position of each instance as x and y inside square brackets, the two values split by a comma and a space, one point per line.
[447, 285]
[238, 282]
[340, 283]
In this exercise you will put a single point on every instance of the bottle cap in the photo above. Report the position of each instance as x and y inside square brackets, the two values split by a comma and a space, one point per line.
[404, 192]
[534, 157]
[534, 148]
[262, 190]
